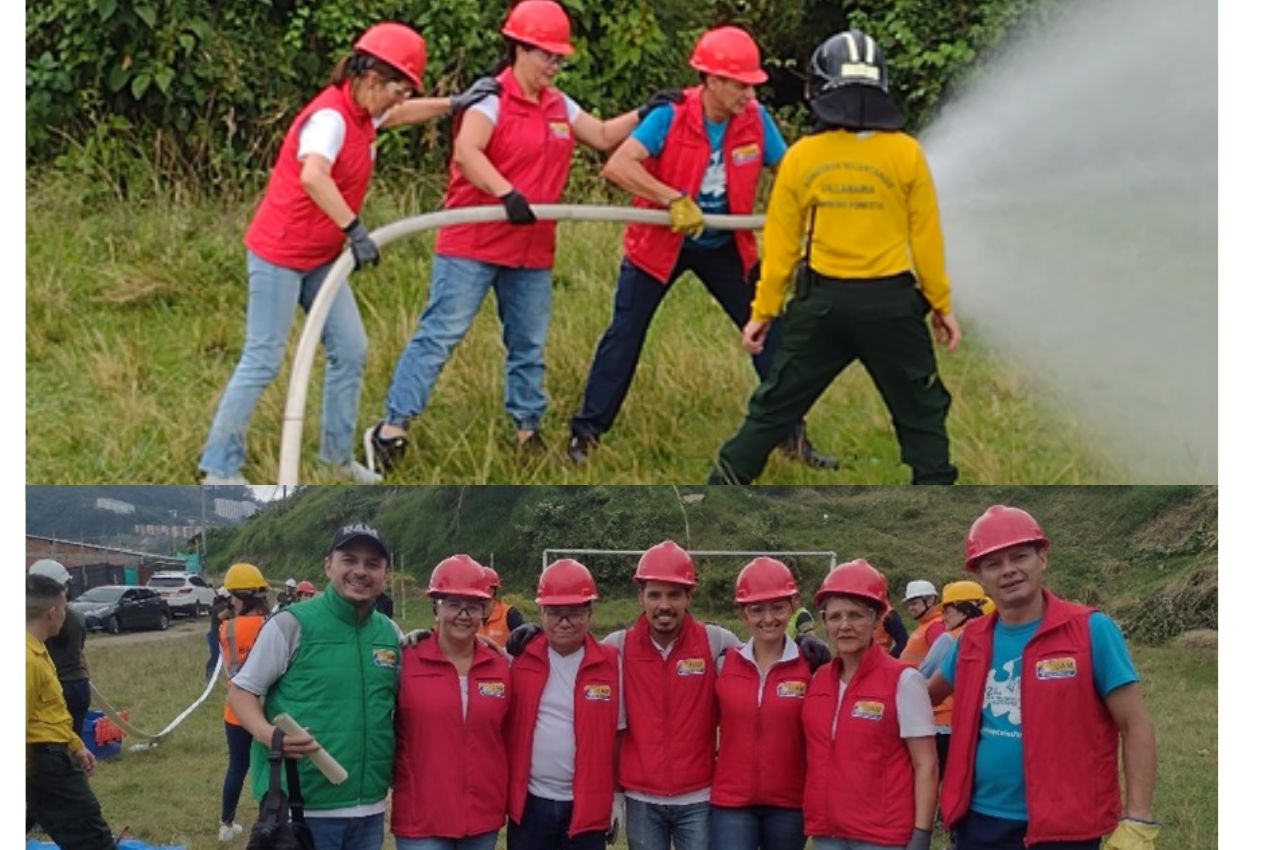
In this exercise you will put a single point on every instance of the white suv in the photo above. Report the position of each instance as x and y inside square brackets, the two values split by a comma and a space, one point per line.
[185, 593]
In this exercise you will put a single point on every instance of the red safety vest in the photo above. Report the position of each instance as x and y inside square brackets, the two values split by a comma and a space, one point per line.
[531, 146]
[859, 785]
[670, 741]
[450, 775]
[288, 228]
[761, 758]
[595, 726]
[681, 164]
[1069, 741]
[237, 636]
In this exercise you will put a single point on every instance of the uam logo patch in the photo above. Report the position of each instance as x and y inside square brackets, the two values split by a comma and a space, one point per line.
[1056, 668]
[559, 129]
[745, 153]
[598, 693]
[492, 689]
[792, 689]
[691, 667]
[385, 658]
[868, 709]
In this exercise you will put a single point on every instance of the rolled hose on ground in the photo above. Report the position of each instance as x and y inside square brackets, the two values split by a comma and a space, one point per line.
[296, 401]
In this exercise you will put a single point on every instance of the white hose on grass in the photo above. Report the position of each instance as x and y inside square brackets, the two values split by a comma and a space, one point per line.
[113, 713]
[299, 374]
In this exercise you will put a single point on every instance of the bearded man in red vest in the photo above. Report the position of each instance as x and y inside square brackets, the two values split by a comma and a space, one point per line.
[700, 153]
[1046, 696]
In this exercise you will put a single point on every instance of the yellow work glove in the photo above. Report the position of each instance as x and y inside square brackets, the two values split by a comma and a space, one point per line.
[686, 218]
[1133, 834]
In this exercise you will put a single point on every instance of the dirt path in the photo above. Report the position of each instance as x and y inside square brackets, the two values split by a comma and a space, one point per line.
[177, 629]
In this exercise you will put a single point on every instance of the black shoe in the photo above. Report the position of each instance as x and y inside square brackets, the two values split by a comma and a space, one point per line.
[381, 454]
[580, 445]
[530, 445]
[798, 447]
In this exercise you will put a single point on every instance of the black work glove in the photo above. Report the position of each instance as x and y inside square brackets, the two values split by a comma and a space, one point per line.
[520, 637]
[362, 245]
[660, 97]
[814, 651]
[920, 839]
[474, 93]
[517, 208]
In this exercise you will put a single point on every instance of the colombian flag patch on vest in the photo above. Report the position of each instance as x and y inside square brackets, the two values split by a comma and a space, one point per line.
[384, 658]
[491, 689]
[1056, 668]
[866, 709]
[598, 693]
[559, 129]
[745, 153]
[793, 689]
[691, 667]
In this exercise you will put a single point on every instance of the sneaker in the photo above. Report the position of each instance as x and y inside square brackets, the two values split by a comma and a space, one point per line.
[532, 444]
[798, 447]
[381, 454]
[580, 445]
[211, 480]
[358, 473]
[229, 831]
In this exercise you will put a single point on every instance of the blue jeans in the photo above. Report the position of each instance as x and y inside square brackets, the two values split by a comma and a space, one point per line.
[827, 842]
[984, 832]
[636, 297]
[486, 841]
[347, 833]
[546, 827]
[238, 745]
[215, 649]
[653, 826]
[274, 292]
[78, 697]
[458, 288]
[757, 828]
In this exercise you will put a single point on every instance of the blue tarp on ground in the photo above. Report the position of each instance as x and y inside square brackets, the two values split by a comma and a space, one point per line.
[126, 844]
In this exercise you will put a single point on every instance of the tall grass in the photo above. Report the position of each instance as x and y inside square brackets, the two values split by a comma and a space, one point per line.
[135, 315]
[171, 794]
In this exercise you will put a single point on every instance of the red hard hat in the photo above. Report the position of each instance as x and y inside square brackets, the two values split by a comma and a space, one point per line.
[566, 582]
[399, 46]
[459, 575]
[666, 562]
[764, 578]
[306, 587]
[728, 52]
[541, 23]
[999, 528]
[856, 578]
[491, 575]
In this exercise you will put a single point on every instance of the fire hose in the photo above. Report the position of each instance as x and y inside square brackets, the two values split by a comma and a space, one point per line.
[112, 713]
[296, 401]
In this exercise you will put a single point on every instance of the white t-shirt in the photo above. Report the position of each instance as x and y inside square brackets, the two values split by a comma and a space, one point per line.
[489, 108]
[554, 745]
[721, 640]
[323, 132]
[915, 711]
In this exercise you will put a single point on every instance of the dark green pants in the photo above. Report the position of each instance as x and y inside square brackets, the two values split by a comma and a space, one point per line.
[59, 799]
[825, 329]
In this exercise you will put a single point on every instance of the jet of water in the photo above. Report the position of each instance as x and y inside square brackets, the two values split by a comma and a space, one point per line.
[1077, 175]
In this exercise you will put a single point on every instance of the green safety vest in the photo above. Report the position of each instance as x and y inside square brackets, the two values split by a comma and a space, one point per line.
[792, 624]
[341, 685]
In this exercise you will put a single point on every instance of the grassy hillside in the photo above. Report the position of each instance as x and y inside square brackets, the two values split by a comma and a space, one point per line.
[135, 318]
[1147, 554]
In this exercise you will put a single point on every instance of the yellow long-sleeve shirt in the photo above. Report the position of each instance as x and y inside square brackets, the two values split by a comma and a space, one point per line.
[877, 215]
[48, 721]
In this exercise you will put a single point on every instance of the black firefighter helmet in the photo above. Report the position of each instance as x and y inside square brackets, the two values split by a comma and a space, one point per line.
[849, 84]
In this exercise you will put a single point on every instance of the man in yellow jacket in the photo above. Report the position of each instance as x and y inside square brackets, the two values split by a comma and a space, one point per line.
[58, 762]
[871, 269]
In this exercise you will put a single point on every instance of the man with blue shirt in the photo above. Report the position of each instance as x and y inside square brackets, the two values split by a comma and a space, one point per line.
[700, 154]
[1046, 698]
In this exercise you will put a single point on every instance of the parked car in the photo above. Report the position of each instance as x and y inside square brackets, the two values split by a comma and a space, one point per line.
[185, 593]
[112, 607]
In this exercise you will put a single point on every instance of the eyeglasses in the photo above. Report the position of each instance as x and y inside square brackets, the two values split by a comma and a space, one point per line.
[305, 595]
[457, 608]
[855, 617]
[757, 610]
[576, 614]
[555, 60]
[398, 88]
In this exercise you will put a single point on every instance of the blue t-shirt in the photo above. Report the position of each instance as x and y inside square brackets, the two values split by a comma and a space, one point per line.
[999, 783]
[652, 133]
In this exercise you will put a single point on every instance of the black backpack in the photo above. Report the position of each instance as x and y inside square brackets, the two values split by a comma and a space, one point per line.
[280, 824]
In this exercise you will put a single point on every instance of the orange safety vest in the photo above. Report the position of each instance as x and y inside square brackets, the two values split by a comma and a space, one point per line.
[881, 635]
[495, 627]
[237, 636]
[918, 643]
[942, 711]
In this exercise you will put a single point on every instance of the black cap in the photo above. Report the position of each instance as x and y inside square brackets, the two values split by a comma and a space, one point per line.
[360, 531]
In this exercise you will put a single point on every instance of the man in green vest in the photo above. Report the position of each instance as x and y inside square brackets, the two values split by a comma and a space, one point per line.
[331, 662]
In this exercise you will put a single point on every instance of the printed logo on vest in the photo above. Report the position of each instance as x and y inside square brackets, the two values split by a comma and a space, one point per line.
[385, 658]
[559, 129]
[1056, 668]
[793, 689]
[744, 154]
[868, 709]
[492, 689]
[691, 667]
[598, 693]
